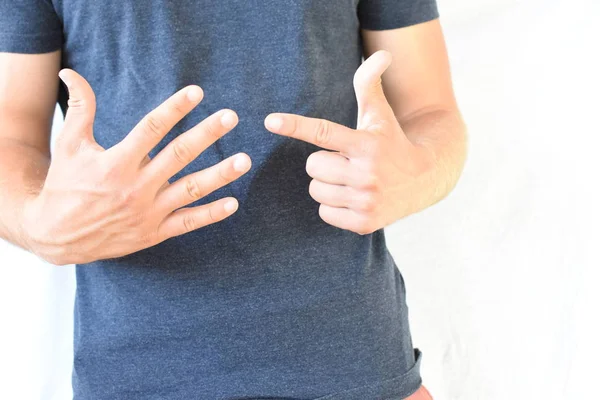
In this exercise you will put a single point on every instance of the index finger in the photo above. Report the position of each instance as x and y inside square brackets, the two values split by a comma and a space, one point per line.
[155, 125]
[320, 132]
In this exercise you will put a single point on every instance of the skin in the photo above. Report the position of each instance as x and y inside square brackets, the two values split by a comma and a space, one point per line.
[84, 203]
[88, 203]
[410, 143]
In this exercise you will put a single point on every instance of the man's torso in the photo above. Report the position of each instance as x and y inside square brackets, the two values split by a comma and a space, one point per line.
[272, 302]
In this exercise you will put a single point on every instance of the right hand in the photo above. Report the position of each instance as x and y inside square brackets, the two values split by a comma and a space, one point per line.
[97, 204]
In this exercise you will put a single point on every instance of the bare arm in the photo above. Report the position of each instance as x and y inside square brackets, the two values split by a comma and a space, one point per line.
[409, 146]
[418, 87]
[28, 95]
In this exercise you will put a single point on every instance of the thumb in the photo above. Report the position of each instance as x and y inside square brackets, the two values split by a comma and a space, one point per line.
[81, 111]
[373, 107]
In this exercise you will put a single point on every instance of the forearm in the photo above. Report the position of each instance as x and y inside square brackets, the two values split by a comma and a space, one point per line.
[23, 169]
[442, 133]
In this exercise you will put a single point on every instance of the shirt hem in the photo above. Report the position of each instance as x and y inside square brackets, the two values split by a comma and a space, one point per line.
[397, 388]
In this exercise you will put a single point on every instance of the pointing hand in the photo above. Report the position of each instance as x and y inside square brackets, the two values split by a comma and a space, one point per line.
[366, 181]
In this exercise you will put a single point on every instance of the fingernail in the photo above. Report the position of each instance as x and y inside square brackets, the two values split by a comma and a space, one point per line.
[274, 123]
[240, 163]
[228, 119]
[62, 76]
[231, 206]
[194, 94]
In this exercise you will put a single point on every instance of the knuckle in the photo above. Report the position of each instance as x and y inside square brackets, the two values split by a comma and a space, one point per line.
[82, 145]
[370, 181]
[213, 214]
[322, 132]
[182, 152]
[193, 189]
[212, 131]
[178, 107]
[223, 173]
[76, 104]
[109, 172]
[154, 126]
[189, 223]
[363, 228]
[129, 196]
[369, 202]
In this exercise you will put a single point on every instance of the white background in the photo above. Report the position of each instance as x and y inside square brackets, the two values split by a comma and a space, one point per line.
[501, 276]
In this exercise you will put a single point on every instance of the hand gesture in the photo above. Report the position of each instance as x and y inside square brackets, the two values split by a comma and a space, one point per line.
[368, 180]
[97, 204]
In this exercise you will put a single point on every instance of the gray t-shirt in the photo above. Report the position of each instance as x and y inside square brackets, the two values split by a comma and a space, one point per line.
[272, 303]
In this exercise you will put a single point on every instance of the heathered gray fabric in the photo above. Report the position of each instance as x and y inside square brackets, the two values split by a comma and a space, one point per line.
[272, 303]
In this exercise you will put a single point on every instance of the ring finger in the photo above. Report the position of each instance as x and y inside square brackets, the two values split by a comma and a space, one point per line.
[199, 184]
[331, 195]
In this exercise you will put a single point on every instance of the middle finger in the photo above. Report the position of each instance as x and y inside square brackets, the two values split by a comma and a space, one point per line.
[187, 146]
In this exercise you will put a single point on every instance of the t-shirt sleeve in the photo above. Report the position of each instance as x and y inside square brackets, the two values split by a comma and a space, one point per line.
[391, 14]
[29, 26]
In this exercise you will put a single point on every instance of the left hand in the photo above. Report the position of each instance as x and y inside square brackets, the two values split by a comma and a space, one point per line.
[374, 175]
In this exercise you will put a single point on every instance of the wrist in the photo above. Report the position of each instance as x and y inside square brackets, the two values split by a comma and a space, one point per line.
[426, 180]
[30, 236]
[25, 225]
[44, 243]
[445, 162]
